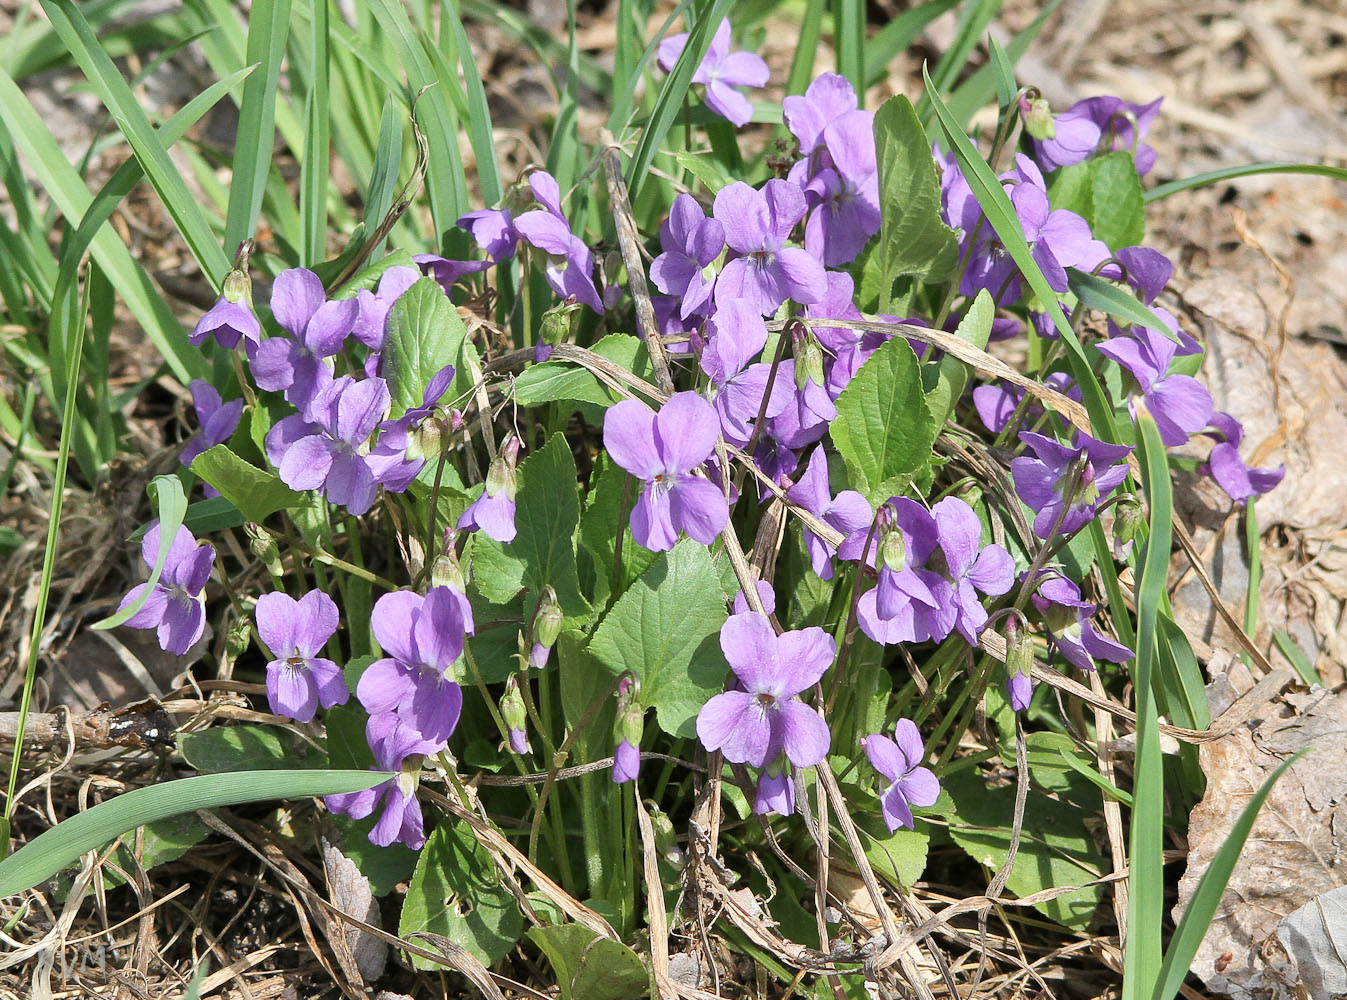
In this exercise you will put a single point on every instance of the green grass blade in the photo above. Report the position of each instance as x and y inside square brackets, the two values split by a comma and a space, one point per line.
[1161, 191]
[1202, 907]
[1000, 213]
[802, 63]
[884, 46]
[68, 193]
[1297, 659]
[1146, 884]
[387, 161]
[1004, 71]
[849, 42]
[979, 87]
[973, 21]
[54, 849]
[674, 92]
[445, 185]
[316, 166]
[618, 119]
[564, 155]
[1099, 293]
[480, 135]
[116, 94]
[73, 318]
[268, 29]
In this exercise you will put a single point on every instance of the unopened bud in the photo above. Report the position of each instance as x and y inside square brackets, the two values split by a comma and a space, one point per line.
[262, 545]
[1038, 120]
[556, 323]
[893, 550]
[237, 641]
[808, 362]
[512, 710]
[548, 620]
[446, 572]
[1128, 519]
[666, 841]
[238, 287]
[1019, 648]
[423, 442]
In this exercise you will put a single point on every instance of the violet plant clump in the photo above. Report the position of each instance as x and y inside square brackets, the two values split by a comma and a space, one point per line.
[577, 550]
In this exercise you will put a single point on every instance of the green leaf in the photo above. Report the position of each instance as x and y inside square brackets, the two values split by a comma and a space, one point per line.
[241, 748]
[50, 851]
[1119, 217]
[164, 840]
[589, 967]
[1243, 170]
[456, 892]
[951, 374]
[254, 492]
[547, 513]
[604, 517]
[899, 857]
[1108, 297]
[424, 335]
[664, 630]
[554, 381]
[883, 429]
[1056, 847]
[913, 239]
[1072, 188]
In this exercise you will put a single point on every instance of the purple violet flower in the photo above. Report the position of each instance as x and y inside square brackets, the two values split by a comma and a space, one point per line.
[423, 637]
[448, 272]
[1096, 467]
[569, 262]
[1068, 620]
[1111, 118]
[229, 321]
[910, 784]
[1180, 404]
[299, 680]
[765, 271]
[1057, 238]
[721, 71]
[403, 444]
[626, 763]
[766, 594]
[393, 743]
[827, 99]
[493, 230]
[372, 318]
[996, 402]
[493, 512]
[1225, 466]
[737, 335]
[175, 607]
[845, 190]
[776, 793]
[848, 512]
[901, 607]
[218, 422]
[756, 724]
[972, 568]
[318, 328]
[329, 452]
[690, 242]
[662, 449]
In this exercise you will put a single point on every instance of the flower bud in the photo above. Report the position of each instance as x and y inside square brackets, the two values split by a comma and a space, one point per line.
[1128, 519]
[238, 639]
[1038, 120]
[808, 362]
[423, 441]
[666, 841]
[512, 710]
[1019, 664]
[555, 326]
[446, 572]
[238, 287]
[263, 546]
[893, 550]
[547, 620]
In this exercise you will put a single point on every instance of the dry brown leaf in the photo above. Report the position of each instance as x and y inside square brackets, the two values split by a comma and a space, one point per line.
[352, 895]
[1295, 850]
